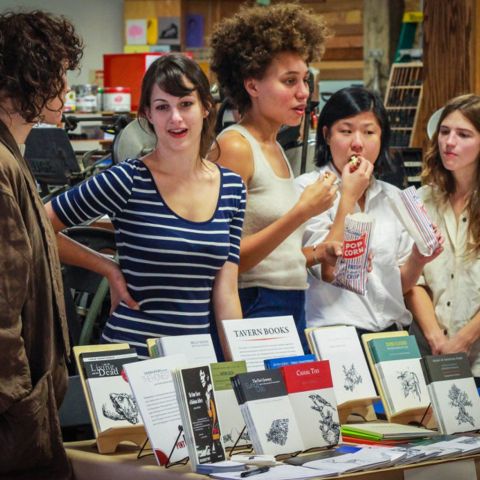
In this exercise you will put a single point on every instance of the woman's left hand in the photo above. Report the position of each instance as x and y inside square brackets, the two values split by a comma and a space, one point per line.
[455, 344]
[422, 259]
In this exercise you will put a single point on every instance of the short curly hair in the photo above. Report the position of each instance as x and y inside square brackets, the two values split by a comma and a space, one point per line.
[36, 48]
[244, 45]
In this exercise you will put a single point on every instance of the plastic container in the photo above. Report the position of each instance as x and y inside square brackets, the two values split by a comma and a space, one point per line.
[117, 99]
[70, 102]
[86, 98]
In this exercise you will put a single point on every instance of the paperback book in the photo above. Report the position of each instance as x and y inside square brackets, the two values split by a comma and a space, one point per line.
[255, 340]
[152, 385]
[310, 390]
[284, 361]
[351, 375]
[455, 400]
[267, 411]
[232, 424]
[199, 414]
[109, 393]
[197, 348]
[397, 361]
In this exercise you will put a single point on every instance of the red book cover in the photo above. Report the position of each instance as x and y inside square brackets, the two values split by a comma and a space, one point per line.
[307, 376]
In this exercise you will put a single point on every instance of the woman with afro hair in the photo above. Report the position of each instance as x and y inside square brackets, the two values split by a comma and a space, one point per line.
[261, 57]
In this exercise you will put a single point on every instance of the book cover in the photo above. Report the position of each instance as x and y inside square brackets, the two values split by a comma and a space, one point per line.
[310, 390]
[152, 385]
[197, 348]
[351, 375]
[268, 413]
[455, 399]
[397, 360]
[230, 416]
[254, 340]
[110, 394]
[200, 415]
[284, 361]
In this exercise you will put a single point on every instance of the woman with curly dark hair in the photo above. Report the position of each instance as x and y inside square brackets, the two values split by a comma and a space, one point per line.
[36, 50]
[446, 302]
[261, 58]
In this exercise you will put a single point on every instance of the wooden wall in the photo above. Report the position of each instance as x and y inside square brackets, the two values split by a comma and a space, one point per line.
[344, 55]
[451, 55]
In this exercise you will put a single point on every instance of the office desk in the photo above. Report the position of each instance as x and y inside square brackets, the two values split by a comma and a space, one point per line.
[88, 464]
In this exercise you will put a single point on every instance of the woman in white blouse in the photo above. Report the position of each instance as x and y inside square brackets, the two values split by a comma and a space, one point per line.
[354, 122]
[446, 302]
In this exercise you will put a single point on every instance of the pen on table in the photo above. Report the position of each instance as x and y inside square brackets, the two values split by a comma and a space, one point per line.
[254, 472]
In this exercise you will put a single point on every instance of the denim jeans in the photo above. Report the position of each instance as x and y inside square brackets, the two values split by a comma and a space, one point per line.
[266, 302]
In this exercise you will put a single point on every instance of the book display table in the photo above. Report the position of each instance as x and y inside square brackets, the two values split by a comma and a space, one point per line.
[88, 464]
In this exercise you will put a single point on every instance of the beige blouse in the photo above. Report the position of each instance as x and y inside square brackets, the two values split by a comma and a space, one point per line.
[453, 277]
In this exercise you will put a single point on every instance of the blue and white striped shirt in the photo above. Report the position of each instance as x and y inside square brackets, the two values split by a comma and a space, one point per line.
[169, 262]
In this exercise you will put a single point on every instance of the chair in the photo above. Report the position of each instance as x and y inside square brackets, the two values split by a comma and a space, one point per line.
[88, 289]
[52, 158]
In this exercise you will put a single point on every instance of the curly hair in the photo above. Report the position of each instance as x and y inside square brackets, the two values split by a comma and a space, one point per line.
[244, 45]
[36, 48]
[441, 179]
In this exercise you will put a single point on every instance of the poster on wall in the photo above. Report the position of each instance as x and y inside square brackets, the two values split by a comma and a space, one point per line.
[195, 30]
[169, 30]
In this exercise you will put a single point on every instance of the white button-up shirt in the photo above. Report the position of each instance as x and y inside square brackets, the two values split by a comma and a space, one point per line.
[383, 304]
[454, 277]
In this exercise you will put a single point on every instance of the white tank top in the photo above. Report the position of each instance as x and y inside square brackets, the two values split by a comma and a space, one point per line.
[269, 198]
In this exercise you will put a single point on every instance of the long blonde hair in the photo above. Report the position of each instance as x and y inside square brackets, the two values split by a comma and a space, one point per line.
[436, 175]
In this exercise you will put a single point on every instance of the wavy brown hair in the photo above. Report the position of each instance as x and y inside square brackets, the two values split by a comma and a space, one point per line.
[443, 181]
[169, 73]
[36, 48]
[244, 45]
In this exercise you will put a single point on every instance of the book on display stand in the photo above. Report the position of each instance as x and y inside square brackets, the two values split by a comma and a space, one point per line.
[198, 348]
[310, 390]
[354, 388]
[199, 414]
[395, 365]
[113, 412]
[152, 386]
[455, 400]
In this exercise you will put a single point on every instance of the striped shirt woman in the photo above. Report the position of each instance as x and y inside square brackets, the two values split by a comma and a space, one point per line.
[169, 263]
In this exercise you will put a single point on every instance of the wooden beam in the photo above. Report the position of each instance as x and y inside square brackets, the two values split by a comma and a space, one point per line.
[381, 25]
[450, 53]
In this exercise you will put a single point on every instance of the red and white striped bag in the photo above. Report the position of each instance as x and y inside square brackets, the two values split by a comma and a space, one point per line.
[352, 267]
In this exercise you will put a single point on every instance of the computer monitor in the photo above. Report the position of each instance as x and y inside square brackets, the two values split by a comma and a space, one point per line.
[50, 155]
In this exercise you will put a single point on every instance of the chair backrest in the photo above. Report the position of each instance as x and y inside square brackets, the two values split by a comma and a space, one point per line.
[50, 155]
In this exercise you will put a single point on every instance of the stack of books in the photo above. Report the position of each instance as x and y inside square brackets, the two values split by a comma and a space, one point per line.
[289, 409]
[232, 424]
[199, 414]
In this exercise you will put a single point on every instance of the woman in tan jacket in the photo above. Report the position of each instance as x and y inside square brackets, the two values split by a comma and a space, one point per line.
[36, 51]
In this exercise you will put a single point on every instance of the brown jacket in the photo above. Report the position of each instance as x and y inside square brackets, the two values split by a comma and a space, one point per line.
[33, 332]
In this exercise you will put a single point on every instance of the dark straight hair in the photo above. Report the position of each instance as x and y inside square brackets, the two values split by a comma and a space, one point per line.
[346, 103]
[169, 73]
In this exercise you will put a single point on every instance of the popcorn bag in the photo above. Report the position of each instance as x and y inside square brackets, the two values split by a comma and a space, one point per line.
[351, 268]
[414, 217]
